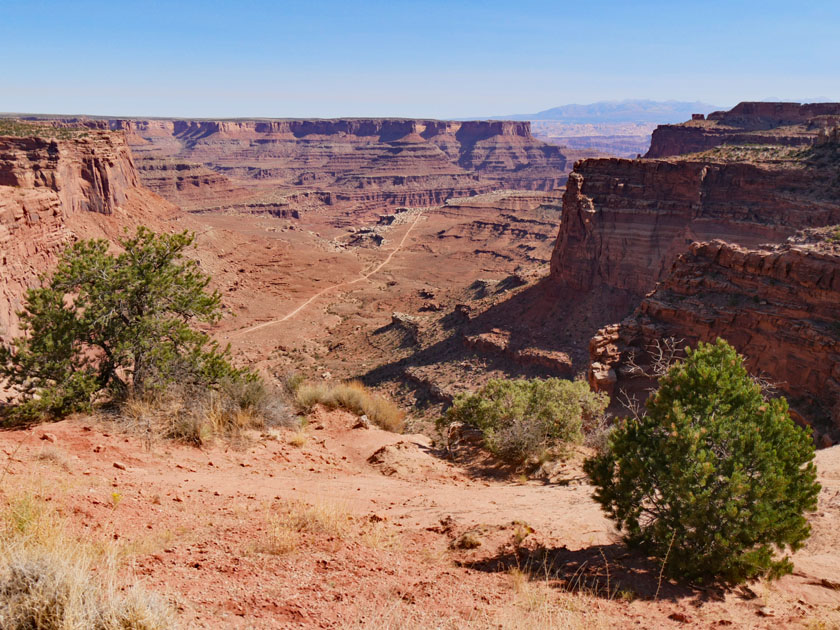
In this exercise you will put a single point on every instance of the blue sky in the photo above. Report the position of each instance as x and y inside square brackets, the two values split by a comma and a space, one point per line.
[407, 58]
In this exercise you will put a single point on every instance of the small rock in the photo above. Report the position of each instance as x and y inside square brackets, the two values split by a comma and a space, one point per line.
[765, 611]
[678, 616]
[49, 437]
[119, 466]
[363, 423]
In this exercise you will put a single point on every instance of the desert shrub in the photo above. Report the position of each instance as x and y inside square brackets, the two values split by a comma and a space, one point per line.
[354, 397]
[48, 580]
[114, 325]
[715, 477]
[522, 419]
[197, 416]
[46, 590]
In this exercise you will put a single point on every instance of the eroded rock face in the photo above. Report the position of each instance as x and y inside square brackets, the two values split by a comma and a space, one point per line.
[778, 305]
[749, 123]
[364, 163]
[626, 221]
[53, 192]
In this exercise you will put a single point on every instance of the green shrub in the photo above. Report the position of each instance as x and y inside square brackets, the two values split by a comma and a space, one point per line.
[114, 325]
[521, 419]
[715, 478]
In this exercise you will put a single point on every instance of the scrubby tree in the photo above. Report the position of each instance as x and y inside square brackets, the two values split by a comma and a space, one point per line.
[523, 418]
[715, 479]
[114, 324]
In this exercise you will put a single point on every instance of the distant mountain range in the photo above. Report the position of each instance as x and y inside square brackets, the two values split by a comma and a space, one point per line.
[629, 111]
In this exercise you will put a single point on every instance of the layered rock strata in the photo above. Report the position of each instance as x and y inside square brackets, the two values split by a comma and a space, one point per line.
[777, 305]
[368, 163]
[626, 221]
[53, 192]
[750, 123]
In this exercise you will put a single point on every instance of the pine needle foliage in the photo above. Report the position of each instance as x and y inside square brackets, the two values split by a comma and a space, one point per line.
[715, 479]
[119, 325]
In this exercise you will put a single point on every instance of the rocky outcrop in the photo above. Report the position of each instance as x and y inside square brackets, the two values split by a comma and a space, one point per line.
[517, 225]
[626, 221]
[777, 305]
[749, 123]
[53, 191]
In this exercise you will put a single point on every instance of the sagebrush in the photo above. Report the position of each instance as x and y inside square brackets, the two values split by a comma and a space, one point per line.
[522, 418]
[354, 397]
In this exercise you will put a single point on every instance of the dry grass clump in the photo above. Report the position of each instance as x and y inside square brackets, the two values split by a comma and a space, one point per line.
[288, 524]
[197, 416]
[354, 397]
[531, 606]
[48, 582]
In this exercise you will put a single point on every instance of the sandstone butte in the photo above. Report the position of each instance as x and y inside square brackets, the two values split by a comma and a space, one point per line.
[351, 165]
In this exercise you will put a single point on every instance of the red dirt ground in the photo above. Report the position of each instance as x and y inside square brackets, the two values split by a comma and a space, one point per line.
[197, 526]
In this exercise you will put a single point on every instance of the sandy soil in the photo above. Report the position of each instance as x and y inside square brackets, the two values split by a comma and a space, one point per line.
[346, 527]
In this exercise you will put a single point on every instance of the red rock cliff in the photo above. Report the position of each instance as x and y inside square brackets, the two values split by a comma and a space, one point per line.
[364, 163]
[55, 191]
[625, 221]
[778, 305]
[749, 123]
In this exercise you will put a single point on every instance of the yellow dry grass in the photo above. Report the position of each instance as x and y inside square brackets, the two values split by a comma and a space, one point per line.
[354, 397]
[50, 581]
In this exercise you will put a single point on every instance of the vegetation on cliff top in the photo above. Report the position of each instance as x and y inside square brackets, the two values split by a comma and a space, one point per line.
[24, 129]
[715, 478]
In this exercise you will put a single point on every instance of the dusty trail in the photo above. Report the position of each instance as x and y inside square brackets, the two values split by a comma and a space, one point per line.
[326, 290]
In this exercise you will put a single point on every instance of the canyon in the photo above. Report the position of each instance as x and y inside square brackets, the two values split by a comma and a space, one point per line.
[292, 214]
[350, 166]
[425, 258]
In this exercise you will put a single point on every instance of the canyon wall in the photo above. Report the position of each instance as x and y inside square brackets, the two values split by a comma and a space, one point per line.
[625, 221]
[778, 305]
[748, 123]
[630, 224]
[54, 191]
[353, 163]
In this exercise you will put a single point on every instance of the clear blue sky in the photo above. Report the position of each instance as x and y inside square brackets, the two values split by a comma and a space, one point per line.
[431, 58]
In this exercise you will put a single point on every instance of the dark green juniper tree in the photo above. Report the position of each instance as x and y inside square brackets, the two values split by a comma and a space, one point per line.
[118, 325]
[715, 478]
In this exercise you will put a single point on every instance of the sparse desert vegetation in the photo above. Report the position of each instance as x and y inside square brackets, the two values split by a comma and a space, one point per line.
[715, 477]
[523, 419]
[51, 581]
[354, 397]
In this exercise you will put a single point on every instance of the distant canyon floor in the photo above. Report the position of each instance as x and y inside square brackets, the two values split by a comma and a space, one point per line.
[311, 296]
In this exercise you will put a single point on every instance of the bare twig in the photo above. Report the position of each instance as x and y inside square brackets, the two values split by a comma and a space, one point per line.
[662, 568]
[662, 354]
[630, 403]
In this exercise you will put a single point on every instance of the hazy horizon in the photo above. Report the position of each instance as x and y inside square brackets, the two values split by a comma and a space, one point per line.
[427, 59]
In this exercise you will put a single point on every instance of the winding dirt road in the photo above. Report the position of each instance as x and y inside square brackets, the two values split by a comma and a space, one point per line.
[361, 278]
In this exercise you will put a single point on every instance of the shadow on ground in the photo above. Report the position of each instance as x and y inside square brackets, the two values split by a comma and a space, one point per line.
[609, 571]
